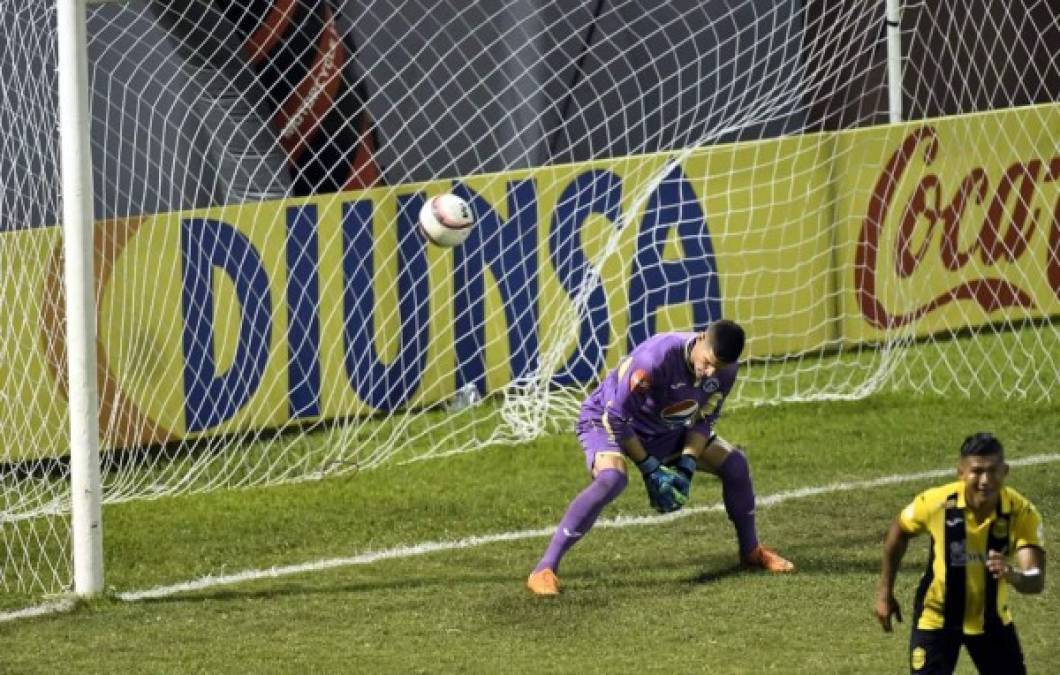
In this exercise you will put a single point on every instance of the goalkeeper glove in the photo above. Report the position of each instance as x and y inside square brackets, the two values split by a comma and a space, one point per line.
[685, 469]
[659, 481]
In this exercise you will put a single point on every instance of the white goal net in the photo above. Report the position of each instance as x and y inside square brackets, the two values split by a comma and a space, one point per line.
[268, 312]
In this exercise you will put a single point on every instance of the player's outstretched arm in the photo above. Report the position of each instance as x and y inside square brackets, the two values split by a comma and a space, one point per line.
[1028, 576]
[886, 605]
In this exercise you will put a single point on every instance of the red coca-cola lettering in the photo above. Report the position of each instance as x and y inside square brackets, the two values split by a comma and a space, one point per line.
[1052, 262]
[995, 241]
[974, 187]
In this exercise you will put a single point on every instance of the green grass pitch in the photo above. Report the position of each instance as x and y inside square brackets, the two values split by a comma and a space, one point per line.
[655, 597]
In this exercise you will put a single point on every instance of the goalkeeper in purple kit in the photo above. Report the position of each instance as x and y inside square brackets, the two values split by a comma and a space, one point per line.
[658, 408]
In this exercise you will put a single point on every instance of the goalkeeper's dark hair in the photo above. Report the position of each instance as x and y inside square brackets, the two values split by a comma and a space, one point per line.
[726, 339]
[982, 444]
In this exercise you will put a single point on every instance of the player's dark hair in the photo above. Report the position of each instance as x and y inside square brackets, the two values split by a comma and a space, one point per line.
[726, 339]
[982, 444]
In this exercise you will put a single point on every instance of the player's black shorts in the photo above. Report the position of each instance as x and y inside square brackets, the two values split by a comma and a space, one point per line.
[997, 652]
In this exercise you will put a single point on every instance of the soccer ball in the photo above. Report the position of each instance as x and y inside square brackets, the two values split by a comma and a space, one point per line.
[446, 220]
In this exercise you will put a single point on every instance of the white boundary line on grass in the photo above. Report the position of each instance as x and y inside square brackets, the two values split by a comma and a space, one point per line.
[471, 542]
[56, 607]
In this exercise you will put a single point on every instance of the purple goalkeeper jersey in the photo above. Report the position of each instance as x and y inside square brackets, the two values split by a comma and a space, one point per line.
[654, 395]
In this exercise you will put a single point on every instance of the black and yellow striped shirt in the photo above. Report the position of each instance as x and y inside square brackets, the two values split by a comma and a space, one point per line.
[956, 589]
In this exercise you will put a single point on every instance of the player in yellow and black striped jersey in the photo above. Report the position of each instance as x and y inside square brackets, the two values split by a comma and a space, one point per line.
[975, 524]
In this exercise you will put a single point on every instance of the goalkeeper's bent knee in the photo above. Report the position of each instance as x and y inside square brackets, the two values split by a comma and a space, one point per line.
[735, 469]
[613, 481]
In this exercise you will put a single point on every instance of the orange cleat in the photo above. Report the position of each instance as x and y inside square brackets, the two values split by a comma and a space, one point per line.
[544, 583]
[765, 558]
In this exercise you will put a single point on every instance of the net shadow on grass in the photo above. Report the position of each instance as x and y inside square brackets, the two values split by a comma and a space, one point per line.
[293, 590]
[712, 575]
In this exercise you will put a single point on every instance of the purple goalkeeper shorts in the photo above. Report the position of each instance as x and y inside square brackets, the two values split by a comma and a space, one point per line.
[595, 439]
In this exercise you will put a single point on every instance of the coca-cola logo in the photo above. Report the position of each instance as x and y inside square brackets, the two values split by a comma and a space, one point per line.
[1006, 230]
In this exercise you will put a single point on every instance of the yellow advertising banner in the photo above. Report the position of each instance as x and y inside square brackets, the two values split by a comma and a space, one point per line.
[244, 318]
[950, 223]
[35, 420]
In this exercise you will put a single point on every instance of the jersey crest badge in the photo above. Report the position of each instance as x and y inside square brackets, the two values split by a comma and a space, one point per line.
[918, 658]
[711, 385]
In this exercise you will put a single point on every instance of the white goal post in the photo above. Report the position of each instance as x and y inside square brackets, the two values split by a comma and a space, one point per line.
[213, 277]
[86, 490]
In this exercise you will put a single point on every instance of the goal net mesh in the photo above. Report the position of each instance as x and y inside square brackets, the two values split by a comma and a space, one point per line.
[268, 312]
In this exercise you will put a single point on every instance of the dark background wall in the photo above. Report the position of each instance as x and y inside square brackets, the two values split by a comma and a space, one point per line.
[491, 86]
[958, 57]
